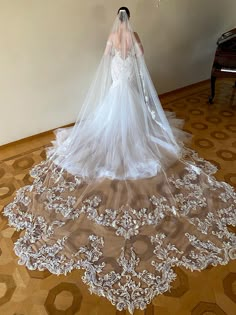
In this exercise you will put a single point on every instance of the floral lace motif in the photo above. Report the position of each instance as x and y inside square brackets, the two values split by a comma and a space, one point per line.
[135, 281]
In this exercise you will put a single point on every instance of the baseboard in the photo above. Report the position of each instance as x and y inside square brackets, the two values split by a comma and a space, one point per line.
[182, 89]
[27, 139]
[163, 95]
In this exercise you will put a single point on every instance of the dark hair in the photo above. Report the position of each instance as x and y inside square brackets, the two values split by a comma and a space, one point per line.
[121, 17]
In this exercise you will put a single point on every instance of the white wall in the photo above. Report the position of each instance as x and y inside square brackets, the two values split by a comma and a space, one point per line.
[49, 51]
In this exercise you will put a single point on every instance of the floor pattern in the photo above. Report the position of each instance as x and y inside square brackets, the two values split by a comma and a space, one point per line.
[210, 292]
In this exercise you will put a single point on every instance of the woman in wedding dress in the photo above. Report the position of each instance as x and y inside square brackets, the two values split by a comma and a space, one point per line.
[119, 194]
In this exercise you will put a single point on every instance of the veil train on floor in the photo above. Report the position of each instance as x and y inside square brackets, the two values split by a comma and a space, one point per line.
[120, 195]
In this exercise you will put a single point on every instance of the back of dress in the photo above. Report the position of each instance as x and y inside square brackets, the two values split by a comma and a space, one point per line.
[122, 131]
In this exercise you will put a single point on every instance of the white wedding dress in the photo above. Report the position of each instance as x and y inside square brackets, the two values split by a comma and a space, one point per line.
[119, 194]
[120, 139]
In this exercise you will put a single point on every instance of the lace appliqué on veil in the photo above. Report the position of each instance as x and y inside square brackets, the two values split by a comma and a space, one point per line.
[132, 277]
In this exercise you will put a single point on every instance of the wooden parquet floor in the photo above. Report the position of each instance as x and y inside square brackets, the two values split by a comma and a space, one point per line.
[210, 292]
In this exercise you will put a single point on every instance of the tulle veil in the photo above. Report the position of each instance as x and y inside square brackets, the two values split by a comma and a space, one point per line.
[119, 195]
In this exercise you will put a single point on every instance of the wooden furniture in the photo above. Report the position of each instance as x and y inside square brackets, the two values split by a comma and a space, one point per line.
[224, 65]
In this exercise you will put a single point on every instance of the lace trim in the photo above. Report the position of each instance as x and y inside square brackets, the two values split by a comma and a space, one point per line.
[135, 283]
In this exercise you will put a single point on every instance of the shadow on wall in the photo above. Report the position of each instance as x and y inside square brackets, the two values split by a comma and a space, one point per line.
[180, 39]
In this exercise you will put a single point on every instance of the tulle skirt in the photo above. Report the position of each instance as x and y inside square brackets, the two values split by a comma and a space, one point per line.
[120, 140]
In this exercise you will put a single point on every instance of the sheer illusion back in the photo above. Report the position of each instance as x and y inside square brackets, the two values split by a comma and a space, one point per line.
[119, 194]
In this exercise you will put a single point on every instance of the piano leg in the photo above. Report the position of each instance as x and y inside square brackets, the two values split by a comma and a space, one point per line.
[213, 82]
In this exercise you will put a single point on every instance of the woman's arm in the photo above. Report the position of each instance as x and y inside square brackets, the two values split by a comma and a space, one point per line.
[108, 46]
[138, 43]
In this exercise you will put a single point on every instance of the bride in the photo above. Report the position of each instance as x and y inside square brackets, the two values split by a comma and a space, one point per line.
[122, 131]
[119, 194]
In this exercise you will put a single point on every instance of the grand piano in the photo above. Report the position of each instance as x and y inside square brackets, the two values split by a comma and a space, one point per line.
[224, 65]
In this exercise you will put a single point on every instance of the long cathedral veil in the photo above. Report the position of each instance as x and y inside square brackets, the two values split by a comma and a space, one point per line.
[119, 196]
[105, 140]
